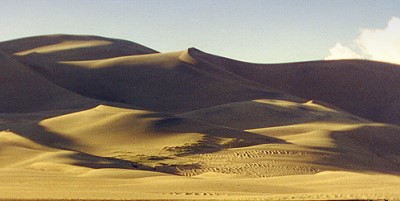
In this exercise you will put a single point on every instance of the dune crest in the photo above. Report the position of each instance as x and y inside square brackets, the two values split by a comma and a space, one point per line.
[65, 45]
[332, 82]
[81, 114]
[167, 60]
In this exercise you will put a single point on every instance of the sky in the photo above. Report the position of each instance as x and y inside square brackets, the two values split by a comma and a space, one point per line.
[260, 31]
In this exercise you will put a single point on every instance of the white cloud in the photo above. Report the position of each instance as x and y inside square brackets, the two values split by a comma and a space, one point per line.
[342, 52]
[374, 44]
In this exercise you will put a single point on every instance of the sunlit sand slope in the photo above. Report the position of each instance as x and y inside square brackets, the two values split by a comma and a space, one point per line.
[72, 47]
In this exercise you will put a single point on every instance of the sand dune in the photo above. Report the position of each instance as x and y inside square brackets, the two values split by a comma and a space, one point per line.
[24, 90]
[333, 82]
[169, 82]
[87, 117]
[268, 113]
[73, 46]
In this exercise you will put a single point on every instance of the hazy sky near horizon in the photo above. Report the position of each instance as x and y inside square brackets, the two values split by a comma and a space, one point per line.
[263, 31]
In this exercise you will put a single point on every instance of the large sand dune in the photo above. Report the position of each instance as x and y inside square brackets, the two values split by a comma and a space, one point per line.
[365, 88]
[85, 117]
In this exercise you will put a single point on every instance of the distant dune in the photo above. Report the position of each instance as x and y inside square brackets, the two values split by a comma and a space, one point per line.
[87, 117]
[365, 88]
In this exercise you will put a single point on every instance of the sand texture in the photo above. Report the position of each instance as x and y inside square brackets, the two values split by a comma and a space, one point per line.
[93, 118]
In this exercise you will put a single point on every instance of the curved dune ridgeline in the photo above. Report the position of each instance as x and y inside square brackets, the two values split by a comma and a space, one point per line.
[368, 89]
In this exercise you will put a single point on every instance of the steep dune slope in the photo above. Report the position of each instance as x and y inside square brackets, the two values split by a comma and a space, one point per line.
[364, 88]
[24, 90]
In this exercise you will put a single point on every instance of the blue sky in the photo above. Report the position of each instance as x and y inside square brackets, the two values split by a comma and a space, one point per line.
[262, 31]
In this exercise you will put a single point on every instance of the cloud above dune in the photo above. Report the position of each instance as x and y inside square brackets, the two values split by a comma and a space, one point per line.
[342, 52]
[374, 44]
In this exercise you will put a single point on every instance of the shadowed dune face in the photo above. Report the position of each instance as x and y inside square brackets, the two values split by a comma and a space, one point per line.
[79, 114]
[364, 88]
[268, 113]
[376, 85]
[24, 90]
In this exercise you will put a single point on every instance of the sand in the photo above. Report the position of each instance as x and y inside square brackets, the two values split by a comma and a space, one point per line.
[365, 88]
[92, 118]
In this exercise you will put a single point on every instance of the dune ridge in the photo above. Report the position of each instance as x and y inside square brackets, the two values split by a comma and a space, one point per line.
[147, 80]
[79, 114]
[333, 82]
[23, 90]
